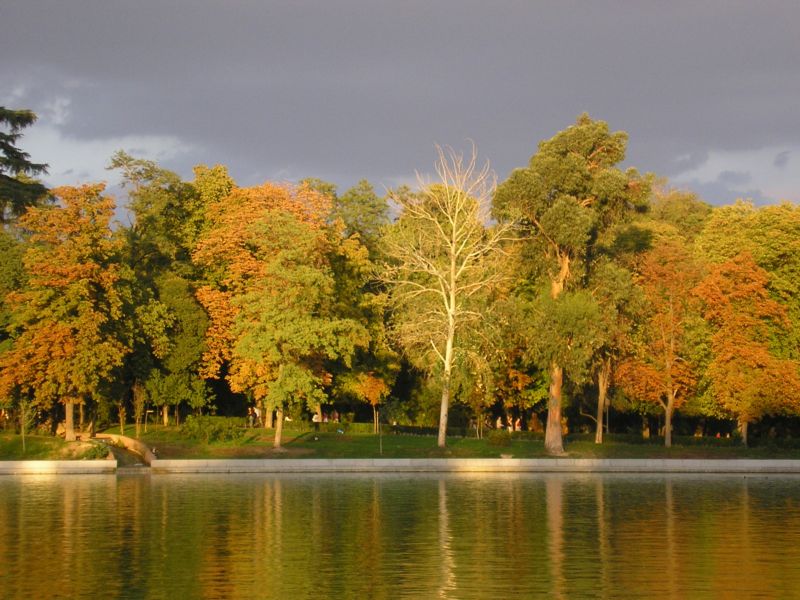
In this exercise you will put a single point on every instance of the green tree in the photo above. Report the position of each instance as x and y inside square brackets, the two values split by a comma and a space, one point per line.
[569, 199]
[679, 210]
[363, 213]
[268, 252]
[17, 190]
[167, 324]
[12, 278]
[620, 303]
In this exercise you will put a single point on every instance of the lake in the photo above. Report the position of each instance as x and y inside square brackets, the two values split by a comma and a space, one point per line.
[399, 536]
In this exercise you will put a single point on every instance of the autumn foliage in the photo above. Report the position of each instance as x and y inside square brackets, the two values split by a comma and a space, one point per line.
[748, 378]
[66, 344]
[660, 369]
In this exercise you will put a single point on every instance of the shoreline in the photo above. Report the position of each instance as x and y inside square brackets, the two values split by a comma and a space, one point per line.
[409, 465]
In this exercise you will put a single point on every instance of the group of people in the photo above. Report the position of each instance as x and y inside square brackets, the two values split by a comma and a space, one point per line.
[254, 416]
[512, 425]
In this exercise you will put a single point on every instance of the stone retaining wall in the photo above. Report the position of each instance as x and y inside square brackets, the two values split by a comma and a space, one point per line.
[476, 465]
[57, 467]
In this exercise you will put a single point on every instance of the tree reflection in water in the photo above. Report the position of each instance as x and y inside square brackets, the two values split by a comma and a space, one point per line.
[398, 536]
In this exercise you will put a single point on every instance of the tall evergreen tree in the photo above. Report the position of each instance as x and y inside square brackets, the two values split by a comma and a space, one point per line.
[18, 190]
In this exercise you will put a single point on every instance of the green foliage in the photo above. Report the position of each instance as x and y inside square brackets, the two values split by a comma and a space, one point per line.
[566, 330]
[18, 190]
[682, 210]
[12, 278]
[96, 452]
[499, 437]
[213, 429]
[363, 213]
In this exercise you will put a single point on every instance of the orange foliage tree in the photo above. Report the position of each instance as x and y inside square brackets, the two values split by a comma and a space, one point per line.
[269, 295]
[747, 377]
[660, 369]
[65, 323]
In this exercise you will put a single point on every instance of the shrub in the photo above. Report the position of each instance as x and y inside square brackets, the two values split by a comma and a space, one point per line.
[213, 429]
[499, 437]
[96, 452]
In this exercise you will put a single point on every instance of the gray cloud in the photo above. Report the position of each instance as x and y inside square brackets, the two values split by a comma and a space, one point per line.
[782, 159]
[718, 192]
[351, 89]
[736, 178]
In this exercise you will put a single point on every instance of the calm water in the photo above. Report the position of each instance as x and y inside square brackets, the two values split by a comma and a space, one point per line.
[345, 536]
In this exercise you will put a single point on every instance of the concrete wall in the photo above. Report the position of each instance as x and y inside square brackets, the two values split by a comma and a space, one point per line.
[476, 465]
[57, 467]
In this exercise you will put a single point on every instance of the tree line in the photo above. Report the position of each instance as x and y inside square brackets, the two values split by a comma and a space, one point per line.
[570, 290]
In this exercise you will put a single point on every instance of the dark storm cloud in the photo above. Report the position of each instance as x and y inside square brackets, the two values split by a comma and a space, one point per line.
[346, 89]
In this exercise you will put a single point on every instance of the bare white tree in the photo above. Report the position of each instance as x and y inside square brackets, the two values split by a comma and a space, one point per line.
[443, 254]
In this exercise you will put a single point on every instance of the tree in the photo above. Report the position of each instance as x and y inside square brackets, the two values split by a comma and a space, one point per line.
[660, 369]
[359, 216]
[619, 302]
[363, 213]
[568, 199]
[681, 210]
[442, 257]
[12, 278]
[747, 377]
[771, 235]
[166, 323]
[567, 331]
[268, 253]
[17, 190]
[65, 323]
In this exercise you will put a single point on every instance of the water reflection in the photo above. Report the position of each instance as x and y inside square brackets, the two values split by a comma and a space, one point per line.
[466, 536]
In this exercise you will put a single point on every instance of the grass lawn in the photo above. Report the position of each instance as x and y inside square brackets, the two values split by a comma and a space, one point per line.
[257, 443]
[38, 447]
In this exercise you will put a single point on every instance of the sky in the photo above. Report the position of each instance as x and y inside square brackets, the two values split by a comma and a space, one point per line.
[709, 92]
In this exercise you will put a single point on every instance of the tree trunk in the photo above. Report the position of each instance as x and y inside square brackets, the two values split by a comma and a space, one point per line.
[177, 416]
[668, 420]
[69, 422]
[374, 418]
[603, 377]
[645, 427]
[278, 429]
[80, 416]
[23, 424]
[448, 365]
[743, 431]
[122, 417]
[166, 415]
[557, 284]
[553, 441]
